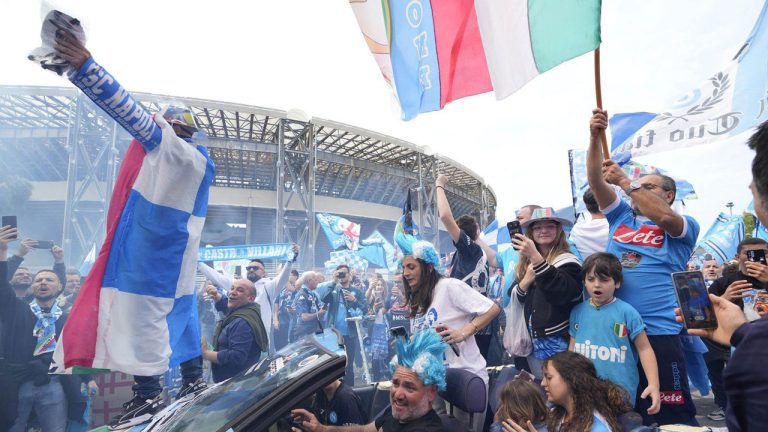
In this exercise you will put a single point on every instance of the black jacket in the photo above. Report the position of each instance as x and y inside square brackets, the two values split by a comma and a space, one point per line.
[550, 298]
[746, 378]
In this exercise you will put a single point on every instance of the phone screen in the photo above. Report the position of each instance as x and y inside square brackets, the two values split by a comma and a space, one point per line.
[757, 255]
[692, 296]
[9, 220]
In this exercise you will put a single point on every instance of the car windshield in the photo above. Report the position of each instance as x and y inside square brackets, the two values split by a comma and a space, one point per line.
[226, 401]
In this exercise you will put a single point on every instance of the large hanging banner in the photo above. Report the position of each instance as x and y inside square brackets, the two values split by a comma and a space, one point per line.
[269, 251]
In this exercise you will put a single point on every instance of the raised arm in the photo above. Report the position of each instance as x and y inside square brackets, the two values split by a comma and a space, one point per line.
[650, 199]
[444, 208]
[277, 284]
[101, 87]
[604, 193]
[7, 296]
[222, 282]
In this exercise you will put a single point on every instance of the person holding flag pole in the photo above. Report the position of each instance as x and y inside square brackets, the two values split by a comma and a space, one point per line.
[651, 241]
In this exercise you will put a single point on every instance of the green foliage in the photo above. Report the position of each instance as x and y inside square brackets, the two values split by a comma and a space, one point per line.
[749, 223]
[14, 193]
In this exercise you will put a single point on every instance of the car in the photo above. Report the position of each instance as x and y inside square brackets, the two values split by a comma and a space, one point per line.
[259, 398]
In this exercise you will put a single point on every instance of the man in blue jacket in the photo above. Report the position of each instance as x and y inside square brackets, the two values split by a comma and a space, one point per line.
[240, 337]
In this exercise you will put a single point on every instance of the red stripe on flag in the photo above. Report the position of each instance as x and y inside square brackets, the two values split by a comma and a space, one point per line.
[460, 53]
[79, 333]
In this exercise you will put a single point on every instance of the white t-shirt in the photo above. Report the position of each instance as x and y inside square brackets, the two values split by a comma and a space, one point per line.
[590, 236]
[454, 304]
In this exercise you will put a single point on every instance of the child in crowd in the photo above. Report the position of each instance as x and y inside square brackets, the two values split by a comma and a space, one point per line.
[521, 406]
[611, 333]
[582, 401]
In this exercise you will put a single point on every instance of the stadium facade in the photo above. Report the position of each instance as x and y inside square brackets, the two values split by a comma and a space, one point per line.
[274, 171]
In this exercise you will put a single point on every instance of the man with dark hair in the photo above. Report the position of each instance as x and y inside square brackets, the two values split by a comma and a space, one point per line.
[343, 301]
[71, 289]
[590, 236]
[470, 262]
[651, 241]
[268, 289]
[283, 315]
[745, 377]
[22, 277]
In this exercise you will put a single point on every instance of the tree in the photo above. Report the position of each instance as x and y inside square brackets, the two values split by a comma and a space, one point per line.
[749, 224]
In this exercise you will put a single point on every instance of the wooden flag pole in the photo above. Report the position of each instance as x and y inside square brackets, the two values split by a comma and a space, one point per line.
[599, 97]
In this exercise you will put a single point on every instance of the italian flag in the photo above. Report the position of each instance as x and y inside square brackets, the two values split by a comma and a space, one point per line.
[525, 38]
[620, 330]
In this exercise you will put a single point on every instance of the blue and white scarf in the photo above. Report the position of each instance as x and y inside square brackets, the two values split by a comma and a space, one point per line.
[45, 328]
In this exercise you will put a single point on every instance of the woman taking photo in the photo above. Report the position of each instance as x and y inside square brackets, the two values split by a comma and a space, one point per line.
[450, 306]
[548, 284]
[582, 401]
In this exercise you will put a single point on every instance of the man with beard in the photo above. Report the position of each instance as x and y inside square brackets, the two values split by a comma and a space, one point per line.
[417, 374]
[268, 289]
[710, 269]
[29, 335]
[71, 290]
[22, 277]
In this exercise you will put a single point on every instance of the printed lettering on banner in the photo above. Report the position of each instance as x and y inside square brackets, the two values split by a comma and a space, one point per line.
[646, 235]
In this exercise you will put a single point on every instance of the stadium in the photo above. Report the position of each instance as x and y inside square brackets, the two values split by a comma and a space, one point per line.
[59, 156]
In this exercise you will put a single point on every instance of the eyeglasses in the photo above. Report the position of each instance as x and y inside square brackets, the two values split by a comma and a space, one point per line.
[254, 268]
[651, 186]
[546, 227]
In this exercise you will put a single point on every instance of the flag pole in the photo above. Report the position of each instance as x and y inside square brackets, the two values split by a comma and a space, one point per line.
[599, 97]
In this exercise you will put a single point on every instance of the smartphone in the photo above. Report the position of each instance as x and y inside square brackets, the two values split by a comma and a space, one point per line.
[692, 296]
[757, 255]
[514, 228]
[399, 332]
[454, 347]
[10, 220]
[43, 244]
[238, 270]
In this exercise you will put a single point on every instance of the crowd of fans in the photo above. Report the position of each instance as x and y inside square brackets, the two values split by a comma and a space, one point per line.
[598, 305]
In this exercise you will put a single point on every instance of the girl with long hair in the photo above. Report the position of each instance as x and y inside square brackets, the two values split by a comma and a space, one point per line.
[521, 408]
[548, 284]
[453, 308]
[582, 401]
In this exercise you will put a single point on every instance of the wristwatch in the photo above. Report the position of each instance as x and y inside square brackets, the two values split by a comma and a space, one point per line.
[633, 186]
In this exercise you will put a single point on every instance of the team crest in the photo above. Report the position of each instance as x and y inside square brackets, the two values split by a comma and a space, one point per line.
[630, 259]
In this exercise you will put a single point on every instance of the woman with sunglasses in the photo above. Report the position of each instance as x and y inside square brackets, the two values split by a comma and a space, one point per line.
[547, 283]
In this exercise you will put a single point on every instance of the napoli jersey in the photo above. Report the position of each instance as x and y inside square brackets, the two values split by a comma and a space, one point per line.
[648, 256]
[606, 336]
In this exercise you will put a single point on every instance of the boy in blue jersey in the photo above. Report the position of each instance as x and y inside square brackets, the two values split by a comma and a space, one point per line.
[651, 240]
[611, 333]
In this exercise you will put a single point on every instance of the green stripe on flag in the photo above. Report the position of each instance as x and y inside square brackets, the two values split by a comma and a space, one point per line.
[562, 29]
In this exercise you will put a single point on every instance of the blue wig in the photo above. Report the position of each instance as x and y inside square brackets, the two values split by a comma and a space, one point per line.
[424, 355]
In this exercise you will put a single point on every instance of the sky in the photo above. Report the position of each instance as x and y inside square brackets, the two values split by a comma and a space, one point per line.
[310, 55]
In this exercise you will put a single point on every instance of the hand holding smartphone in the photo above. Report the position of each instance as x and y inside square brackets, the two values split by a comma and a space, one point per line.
[757, 255]
[441, 328]
[10, 221]
[693, 298]
[514, 228]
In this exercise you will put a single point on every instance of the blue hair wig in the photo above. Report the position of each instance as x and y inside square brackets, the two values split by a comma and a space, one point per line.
[420, 249]
[424, 355]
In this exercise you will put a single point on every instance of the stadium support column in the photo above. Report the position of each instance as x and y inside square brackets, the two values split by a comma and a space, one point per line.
[91, 172]
[296, 165]
[427, 200]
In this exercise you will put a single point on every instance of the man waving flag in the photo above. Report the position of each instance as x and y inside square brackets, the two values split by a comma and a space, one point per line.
[136, 312]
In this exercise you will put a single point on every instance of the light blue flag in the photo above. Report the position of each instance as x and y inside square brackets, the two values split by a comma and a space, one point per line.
[731, 101]
[414, 57]
[377, 250]
[339, 231]
[761, 231]
[723, 237]
[496, 236]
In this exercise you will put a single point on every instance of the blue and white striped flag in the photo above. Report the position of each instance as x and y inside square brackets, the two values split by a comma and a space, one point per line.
[497, 238]
[723, 237]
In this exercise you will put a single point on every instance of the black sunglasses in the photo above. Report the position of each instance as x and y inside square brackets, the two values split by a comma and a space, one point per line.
[254, 268]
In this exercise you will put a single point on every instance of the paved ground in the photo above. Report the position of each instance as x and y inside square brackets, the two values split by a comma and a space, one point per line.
[704, 406]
